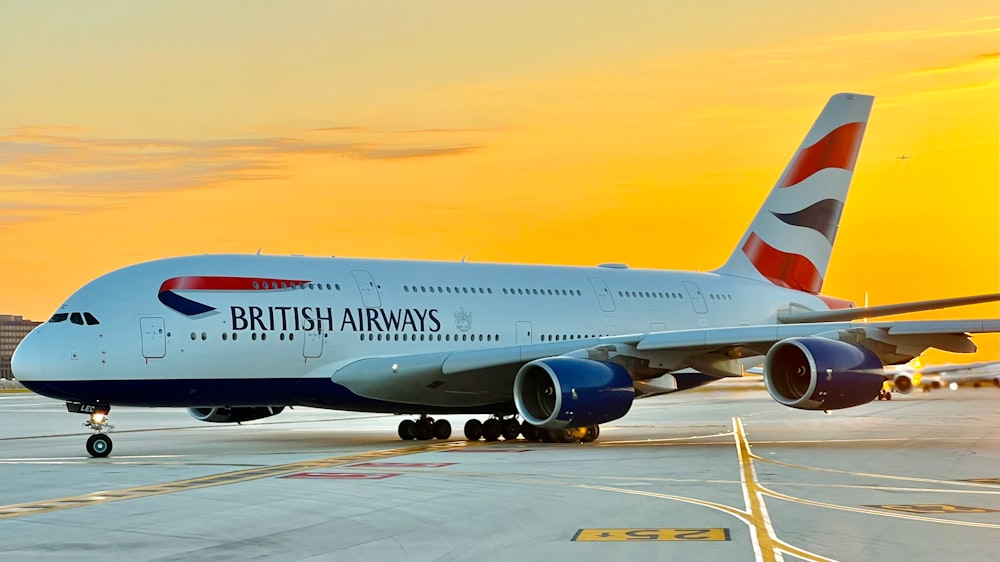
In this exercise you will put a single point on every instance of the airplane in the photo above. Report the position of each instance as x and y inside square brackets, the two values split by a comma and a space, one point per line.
[235, 338]
[914, 374]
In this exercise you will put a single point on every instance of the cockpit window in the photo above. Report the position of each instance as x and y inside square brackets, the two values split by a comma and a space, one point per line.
[91, 321]
[76, 318]
[59, 317]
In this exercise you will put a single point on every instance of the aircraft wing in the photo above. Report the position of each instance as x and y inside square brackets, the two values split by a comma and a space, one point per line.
[485, 376]
[846, 314]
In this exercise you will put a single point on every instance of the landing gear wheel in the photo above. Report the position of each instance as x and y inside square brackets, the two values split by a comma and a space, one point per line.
[424, 429]
[547, 435]
[473, 430]
[407, 430]
[99, 445]
[491, 429]
[529, 432]
[442, 429]
[510, 429]
[593, 432]
[563, 435]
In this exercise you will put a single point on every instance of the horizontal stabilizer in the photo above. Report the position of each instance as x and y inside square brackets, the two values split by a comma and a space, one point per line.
[847, 314]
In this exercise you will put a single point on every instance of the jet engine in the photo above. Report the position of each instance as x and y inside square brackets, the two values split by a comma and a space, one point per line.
[821, 374]
[221, 414]
[566, 392]
[903, 384]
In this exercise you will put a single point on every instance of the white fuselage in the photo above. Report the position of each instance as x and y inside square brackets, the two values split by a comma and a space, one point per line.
[191, 330]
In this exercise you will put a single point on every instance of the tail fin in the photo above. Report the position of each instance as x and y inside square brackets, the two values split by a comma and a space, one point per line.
[790, 240]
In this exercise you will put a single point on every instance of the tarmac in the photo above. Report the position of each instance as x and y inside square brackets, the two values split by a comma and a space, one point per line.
[719, 474]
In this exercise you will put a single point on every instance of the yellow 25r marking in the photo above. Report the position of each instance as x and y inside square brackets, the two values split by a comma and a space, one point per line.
[652, 535]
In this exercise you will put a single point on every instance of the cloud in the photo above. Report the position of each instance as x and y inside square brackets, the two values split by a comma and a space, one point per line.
[11, 213]
[63, 160]
[982, 61]
[400, 153]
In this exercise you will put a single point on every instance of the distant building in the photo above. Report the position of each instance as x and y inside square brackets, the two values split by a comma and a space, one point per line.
[12, 331]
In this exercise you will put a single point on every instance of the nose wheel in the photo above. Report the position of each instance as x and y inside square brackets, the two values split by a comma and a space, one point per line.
[99, 444]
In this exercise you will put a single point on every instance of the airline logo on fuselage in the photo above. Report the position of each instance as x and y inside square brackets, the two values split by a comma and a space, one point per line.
[292, 318]
[188, 307]
[326, 319]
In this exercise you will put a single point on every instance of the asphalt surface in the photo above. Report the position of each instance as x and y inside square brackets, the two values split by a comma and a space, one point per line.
[722, 474]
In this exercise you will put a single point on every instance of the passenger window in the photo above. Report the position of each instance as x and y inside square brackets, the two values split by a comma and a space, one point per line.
[59, 317]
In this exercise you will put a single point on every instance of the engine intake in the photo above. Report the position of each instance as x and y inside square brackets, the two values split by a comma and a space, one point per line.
[226, 414]
[821, 374]
[903, 384]
[566, 392]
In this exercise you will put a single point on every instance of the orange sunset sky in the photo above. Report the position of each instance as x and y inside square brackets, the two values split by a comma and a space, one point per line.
[567, 132]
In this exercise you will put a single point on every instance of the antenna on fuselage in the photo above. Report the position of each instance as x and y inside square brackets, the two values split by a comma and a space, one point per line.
[259, 249]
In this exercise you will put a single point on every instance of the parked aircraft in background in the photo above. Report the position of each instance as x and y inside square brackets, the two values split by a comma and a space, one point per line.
[239, 337]
[914, 374]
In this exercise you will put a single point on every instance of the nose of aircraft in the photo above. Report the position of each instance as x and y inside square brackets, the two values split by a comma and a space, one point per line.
[27, 361]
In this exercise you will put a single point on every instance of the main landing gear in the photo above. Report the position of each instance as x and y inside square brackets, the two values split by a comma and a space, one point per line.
[492, 429]
[424, 429]
[99, 444]
[509, 428]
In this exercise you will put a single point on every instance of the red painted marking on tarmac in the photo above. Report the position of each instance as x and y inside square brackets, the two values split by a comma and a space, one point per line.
[343, 475]
[486, 451]
[402, 464]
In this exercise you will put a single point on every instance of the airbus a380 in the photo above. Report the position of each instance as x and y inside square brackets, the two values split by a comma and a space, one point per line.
[240, 337]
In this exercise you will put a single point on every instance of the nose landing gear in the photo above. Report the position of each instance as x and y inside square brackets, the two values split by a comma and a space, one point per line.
[99, 444]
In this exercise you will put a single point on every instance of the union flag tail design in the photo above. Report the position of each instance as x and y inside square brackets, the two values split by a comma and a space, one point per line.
[790, 240]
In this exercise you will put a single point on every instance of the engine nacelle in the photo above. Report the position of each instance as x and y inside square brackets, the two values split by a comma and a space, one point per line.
[565, 392]
[821, 374]
[903, 384]
[221, 414]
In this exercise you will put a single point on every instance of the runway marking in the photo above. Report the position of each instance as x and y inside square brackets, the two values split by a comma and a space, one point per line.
[402, 465]
[990, 481]
[651, 535]
[803, 501]
[763, 533]
[488, 451]
[933, 508]
[748, 477]
[971, 483]
[45, 506]
[344, 475]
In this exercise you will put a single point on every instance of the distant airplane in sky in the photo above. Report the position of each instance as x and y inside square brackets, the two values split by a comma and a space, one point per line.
[903, 157]
[240, 337]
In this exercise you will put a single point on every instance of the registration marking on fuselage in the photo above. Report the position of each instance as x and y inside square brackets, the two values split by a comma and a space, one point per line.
[94, 498]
